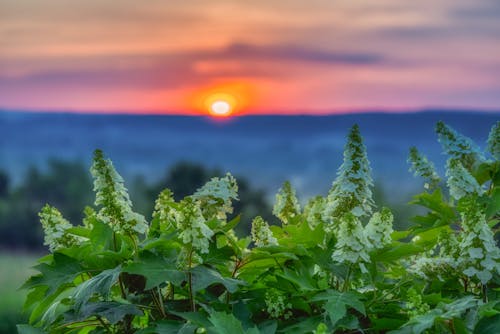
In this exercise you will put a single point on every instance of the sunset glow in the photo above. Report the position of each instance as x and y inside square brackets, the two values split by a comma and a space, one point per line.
[277, 56]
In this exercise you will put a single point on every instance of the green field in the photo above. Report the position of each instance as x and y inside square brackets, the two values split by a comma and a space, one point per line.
[14, 270]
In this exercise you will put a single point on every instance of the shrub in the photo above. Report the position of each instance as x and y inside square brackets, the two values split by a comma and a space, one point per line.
[336, 266]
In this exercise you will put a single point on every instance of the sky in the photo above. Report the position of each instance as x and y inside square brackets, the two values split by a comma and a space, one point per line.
[268, 56]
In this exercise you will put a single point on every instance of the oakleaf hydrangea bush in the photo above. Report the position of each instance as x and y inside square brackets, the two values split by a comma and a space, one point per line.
[333, 265]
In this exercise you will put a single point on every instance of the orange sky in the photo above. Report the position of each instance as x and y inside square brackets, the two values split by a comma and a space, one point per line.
[274, 56]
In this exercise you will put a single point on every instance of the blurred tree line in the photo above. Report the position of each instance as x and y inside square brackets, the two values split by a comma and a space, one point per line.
[68, 187]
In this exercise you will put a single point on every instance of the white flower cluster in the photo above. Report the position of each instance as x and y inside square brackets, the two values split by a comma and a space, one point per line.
[275, 304]
[479, 254]
[286, 206]
[89, 217]
[458, 146]
[112, 196]
[379, 228]
[313, 211]
[494, 141]
[351, 190]
[56, 228]
[261, 234]
[164, 213]
[352, 245]
[474, 253]
[460, 181]
[429, 267]
[421, 166]
[442, 261]
[216, 197]
[192, 225]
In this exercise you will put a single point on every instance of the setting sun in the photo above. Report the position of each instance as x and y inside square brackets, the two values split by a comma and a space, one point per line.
[220, 108]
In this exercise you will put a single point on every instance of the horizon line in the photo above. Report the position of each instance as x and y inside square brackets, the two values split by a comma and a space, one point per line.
[311, 113]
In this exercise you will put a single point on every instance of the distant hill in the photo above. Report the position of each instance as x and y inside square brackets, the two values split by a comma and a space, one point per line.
[269, 149]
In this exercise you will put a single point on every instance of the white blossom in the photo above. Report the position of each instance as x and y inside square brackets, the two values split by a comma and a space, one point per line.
[460, 182]
[424, 168]
[164, 213]
[494, 141]
[286, 206]
[441, 262]
[56, 228]
[351, 190]
[458, 146]
[112, 196]
[216, 196]
[192, 225]
[313, 211]
[479, 254]
[379, 228]
[261, 234]
[352, 245]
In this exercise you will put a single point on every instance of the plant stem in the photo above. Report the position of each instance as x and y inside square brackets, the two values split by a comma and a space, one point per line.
[233, 274]
[346, 281]
[122, 288]
[162, 307]
[190, 281]
[484, 292]
[104, 324]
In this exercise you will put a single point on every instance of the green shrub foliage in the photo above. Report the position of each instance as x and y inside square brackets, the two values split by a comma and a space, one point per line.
[335, 266]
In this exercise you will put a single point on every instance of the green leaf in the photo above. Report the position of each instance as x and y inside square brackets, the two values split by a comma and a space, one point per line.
[203, 277]
[43, 304]
[398, 235]
[493, 203]
[112, 311]
[301, 276]
[230, 224]
[27, 329]
[337, 303]
[303, 326]
[197, 318]
[62, 271]
[459, 306]
[441, 212]
[336, 310]
[484, 172]
[100, 284]
[101, 236]
[268, 327]
[419, 323]
[225, 323]
[490, 325]
[396, 251]
[302, 234]
[169, 326]
[156, 270]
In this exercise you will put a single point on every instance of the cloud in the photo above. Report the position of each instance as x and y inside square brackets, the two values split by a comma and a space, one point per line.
[480, 10]
[173, 70]
[294, 53]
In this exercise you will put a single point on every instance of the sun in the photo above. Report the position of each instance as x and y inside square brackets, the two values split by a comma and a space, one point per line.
[220, 108]
[220, 104]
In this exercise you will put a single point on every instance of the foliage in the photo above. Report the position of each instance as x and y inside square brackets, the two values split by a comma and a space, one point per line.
[337, 266]
[68, 187]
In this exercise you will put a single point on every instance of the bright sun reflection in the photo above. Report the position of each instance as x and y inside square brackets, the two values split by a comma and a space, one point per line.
[220, 108]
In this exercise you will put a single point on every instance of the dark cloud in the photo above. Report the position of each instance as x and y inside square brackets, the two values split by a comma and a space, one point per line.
[294, 53]
[481, 9]
[175, 70]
